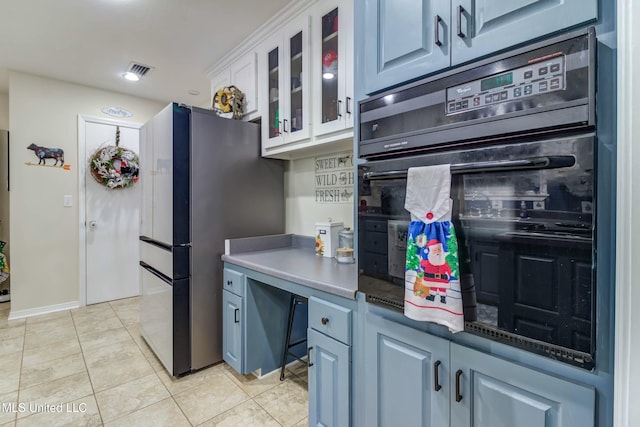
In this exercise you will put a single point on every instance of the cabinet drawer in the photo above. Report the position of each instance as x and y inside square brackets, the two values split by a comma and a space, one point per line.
[232, 281]
[376, 242]
[330, 319]
[374, 263]
[380, 226]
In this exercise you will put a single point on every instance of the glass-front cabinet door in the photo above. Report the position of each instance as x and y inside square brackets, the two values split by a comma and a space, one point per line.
[334, 100]
[274, 110]
[295, 124]
[286, 111]
[330, 73]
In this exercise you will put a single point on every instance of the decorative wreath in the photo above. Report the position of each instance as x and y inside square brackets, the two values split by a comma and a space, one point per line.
[229, 99]
[115, 167]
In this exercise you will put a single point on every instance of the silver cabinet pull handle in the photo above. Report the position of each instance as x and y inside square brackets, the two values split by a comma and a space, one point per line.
[235, 315]
[436, 25]
[309, 364]
[458, 395]
[436, 382]
[460, 12]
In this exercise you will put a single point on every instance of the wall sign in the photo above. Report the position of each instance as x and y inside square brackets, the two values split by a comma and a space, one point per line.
[116, 112]
[334, 178]
[44, 153]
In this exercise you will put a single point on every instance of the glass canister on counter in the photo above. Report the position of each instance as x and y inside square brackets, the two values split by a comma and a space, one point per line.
[344, 251]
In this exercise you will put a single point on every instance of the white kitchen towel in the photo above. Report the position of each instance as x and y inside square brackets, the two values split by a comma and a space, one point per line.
[432, 285]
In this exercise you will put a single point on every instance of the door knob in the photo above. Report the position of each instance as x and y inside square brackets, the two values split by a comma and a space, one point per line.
[93, 225]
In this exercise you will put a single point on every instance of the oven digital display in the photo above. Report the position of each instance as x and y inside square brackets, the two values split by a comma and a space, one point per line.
[496, 81]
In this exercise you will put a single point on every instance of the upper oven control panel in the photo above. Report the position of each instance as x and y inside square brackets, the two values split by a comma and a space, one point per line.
[534, 79]
[536, 88]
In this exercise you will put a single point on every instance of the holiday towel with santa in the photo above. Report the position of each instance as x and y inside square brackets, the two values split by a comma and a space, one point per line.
[432, 286]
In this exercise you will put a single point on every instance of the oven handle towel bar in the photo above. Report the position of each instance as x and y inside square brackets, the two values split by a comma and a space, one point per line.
[537, 163]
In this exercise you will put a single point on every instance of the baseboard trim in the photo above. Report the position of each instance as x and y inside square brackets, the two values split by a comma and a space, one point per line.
[13, 315]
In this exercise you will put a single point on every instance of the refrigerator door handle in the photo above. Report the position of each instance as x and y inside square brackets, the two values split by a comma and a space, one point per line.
[157, 243]
[156, 273]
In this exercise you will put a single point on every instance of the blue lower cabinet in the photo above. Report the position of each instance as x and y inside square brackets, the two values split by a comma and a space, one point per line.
[329, 379]
[489, 391]
[232, 330]
[407, 380]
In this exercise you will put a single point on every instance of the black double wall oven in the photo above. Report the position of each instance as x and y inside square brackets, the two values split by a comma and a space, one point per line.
[518, 130]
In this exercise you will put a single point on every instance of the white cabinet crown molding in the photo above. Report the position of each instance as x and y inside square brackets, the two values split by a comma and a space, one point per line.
[274, 24]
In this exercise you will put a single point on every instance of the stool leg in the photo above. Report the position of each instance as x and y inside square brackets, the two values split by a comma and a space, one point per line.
[287, 338]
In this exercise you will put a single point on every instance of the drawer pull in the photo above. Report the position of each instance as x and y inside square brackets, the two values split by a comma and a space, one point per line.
[436, 382]
[324, 320]
[458, 395]
[229, 282]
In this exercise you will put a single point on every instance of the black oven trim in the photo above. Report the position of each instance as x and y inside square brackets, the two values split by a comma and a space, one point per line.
[574, 114]
[572, 357]
[395, 169]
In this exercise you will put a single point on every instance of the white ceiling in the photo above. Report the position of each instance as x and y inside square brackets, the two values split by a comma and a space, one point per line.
[92, 42]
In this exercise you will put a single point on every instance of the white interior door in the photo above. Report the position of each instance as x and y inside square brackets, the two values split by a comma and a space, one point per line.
[112, 224]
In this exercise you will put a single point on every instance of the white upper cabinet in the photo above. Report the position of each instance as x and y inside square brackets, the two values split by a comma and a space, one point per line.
[285, 82]
[297, 77]
[242, 73]
[332, 27]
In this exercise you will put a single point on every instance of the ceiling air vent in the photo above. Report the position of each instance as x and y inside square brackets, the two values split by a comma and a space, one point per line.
[139, 69]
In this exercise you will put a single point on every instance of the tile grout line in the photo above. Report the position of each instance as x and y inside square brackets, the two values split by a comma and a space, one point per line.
[93, 390]
[230, 375]
[159, 379]
[131, 328]
[135, 379]
[249, 398]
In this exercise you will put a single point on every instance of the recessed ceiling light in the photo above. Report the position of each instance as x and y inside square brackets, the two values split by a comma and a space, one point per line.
[194, 92]
[133, 77]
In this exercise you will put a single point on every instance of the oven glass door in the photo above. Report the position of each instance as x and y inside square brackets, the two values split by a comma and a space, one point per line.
[523, 215]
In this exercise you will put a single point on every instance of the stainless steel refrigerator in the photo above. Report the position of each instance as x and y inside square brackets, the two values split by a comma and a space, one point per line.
[203, 181]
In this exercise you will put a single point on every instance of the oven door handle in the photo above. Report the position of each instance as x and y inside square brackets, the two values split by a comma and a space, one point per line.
[536, 163]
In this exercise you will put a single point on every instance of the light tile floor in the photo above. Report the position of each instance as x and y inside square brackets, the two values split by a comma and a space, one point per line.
[91, 367]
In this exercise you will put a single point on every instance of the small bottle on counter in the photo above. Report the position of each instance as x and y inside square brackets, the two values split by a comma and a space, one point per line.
[344, 252]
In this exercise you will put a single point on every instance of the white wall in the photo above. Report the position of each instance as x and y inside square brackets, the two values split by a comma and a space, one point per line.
[43, 233]
[627, 338]
[302, 210]
[4, 194]
[4, 111]
[4, 201]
